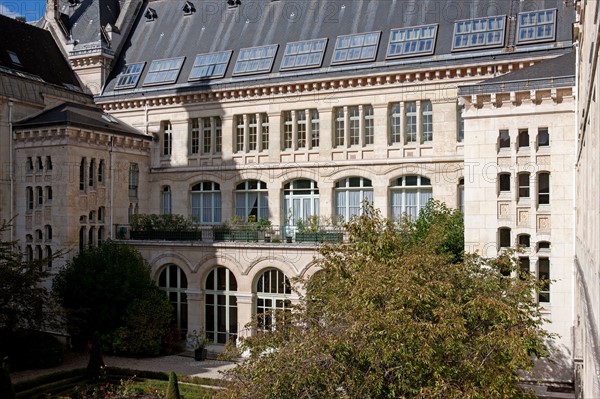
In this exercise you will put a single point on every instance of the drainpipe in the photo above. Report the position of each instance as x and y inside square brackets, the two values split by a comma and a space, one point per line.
[11, 167]
[110, 194]
[574, 283]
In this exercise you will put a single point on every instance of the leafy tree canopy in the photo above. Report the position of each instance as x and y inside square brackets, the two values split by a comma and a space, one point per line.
[399, 312]
[98, 287]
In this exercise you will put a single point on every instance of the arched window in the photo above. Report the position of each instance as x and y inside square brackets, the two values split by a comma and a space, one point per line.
[92, 236]
[166, 200]
[524, 240]
[134, 177]
[251, 198]
[92, 174]
[544, 278]
[82, 237]
[39, 193]
[100, 235]
[29, 253]
[523, 138]
[101, 171]
[544, 188]
[272, 292]
[49, 256]
[350, 194]
[29, 195]
[101, 214]
[48, 231]
[206, 202]
[504, 240]
[82, 170]
[221, 305]
[173, 281]
[409, 196]
[503, 139]
[503, 182]
[48, 194]
[543, 137]
[523, 185]
[301, 200]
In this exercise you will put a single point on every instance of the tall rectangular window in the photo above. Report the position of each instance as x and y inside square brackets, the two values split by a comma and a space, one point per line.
[301, 126]
[524, 185]
[523, 138]
[195, 137]
[369, 125]
[354, 125]
[218, 135]
[134, 176]
[314, 128]
[544, 278]
[288, 129]
[543, 138]
[239, 133]
[410, 122]
[206, 136]
[339, 127]
[265, 131]
[395, 124]
[544, 188]
[82, 174]
[252, 132]
[503, 139]
[460, 122]
[427, 121]
[167, 139]
[29, 196]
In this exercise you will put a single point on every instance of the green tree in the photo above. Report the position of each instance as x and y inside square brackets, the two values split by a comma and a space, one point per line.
[145, 323]
[393, 314]
[100, 286]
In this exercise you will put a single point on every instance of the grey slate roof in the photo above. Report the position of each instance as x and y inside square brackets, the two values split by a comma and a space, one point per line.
[215, 27]
[37, 54]
[77, 115]
[555, 72]
[85, 20]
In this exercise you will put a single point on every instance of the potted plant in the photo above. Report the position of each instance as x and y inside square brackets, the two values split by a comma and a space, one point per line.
[264, 226]
[197, 340]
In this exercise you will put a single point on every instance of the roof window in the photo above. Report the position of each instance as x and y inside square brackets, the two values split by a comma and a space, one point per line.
[163, 71]
[14, 58]
[412, 41]
[479, 33]
[210, 65]
[130, 76]
[536, 26]
[255, 60]
[304, 54]
[356, 48]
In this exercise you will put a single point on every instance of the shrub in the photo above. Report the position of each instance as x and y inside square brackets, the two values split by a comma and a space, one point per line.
[173, 389]
[32, 349]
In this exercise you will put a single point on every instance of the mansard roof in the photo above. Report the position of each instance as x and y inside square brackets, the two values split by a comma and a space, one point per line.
[77, 115]
[85, 20]
[165, 31]
[31, 52]
[552, 73]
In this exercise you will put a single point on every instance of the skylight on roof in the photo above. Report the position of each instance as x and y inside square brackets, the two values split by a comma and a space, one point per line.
[536, 26]
[410, 41]
[130, 76]
[479, 32]
[163, 71]
[14, 58]
[255, 60]
[210, 65]
[356, 48]
[304, 54]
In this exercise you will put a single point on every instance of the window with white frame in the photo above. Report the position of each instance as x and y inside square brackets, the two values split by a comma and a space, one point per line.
[369, 125]
[356, 48]
[339, 127]
[460, 121]
[173, 282]
[524, 185]
[255, 60]
[130, 76]
[354, 126]
[220, 306]
[195, 137]
[411, 122]
[536, 26]
[273, 290]
[134, 179]
[479, 33]
[206, 202]
[426, 121]
[350, 195]
[210, 65]
[315, 128]
[167, 138]
[543, 188]
[163, 71]
[251, 199]
[300, 129]
[166, 200]
[304, 54]
[250, 132]
[301, 200]
[418, 40]
[409, 194]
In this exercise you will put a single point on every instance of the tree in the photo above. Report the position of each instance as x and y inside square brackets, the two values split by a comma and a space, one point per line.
[100, 286]
[24, 302]
[393, 314]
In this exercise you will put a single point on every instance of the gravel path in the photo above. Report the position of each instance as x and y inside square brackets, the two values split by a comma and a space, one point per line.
[180, 364]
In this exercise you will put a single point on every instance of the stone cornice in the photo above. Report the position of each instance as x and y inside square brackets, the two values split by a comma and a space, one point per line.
[321, 86]
[520, 97]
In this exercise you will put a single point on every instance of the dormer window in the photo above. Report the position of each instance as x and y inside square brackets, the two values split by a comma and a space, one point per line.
[150, 14]
[188, 8]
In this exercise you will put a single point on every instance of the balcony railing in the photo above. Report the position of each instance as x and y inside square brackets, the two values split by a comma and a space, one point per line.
[210, 233]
